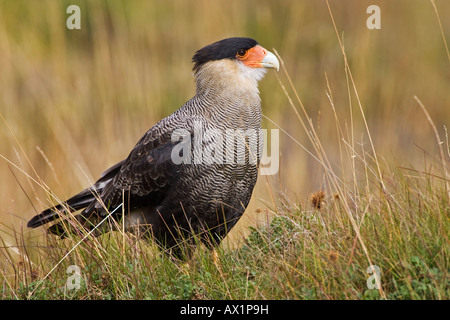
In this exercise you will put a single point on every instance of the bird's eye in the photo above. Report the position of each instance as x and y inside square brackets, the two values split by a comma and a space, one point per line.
[241, 53]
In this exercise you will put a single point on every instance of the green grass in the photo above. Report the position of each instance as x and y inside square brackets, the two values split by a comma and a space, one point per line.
[363, 118]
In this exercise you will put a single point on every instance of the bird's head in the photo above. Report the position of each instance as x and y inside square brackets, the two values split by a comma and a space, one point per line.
[236, 59]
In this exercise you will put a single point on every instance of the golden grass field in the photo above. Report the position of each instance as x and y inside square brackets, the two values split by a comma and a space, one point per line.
[74, 102]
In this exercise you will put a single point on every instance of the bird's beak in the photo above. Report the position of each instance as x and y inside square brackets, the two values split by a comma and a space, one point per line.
[258, 57]
[270, 61]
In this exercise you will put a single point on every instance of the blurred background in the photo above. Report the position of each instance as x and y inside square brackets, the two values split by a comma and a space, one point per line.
[74, 102]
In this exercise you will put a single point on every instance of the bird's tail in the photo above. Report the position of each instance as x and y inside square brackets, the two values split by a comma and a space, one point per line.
[75, 203]
[85, 199]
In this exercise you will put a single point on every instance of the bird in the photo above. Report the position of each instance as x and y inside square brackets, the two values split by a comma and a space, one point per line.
[179, 185]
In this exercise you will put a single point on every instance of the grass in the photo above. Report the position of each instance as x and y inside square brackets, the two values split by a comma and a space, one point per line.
[364, 177]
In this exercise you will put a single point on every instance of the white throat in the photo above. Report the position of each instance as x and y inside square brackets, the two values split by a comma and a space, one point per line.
[228, 75]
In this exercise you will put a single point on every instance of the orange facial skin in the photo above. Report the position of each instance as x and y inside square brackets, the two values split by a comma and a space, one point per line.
[253, 56]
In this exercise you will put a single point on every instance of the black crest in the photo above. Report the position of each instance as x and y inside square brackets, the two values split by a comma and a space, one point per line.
[223, 49]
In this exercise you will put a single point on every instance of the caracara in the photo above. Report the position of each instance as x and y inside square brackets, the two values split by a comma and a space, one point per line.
[191, 176]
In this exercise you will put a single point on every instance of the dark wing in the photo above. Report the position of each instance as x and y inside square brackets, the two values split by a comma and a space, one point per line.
[143, 179]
